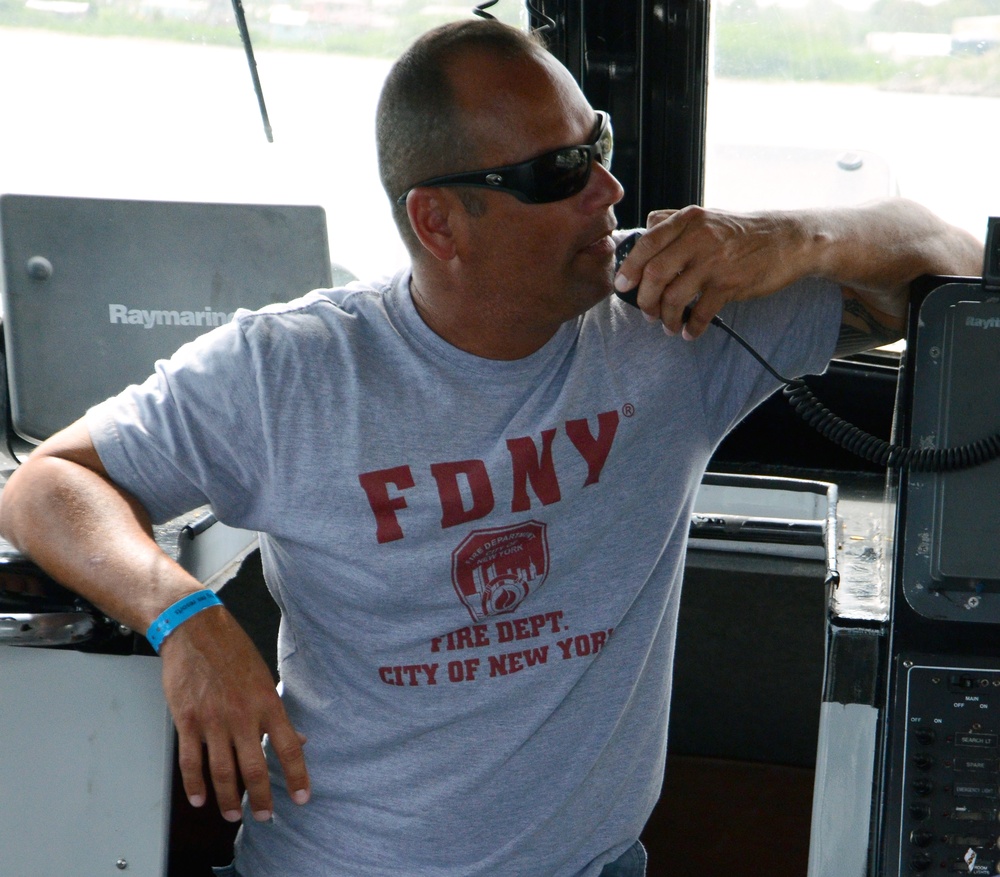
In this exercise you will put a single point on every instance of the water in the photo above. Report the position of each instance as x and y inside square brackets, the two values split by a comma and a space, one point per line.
[116, 117]
[125, 118]
[941, 149]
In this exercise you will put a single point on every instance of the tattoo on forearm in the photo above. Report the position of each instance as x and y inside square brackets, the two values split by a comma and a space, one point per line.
[861, 330]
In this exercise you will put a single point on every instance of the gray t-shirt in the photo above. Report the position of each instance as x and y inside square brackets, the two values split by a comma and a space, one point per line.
[477, 562]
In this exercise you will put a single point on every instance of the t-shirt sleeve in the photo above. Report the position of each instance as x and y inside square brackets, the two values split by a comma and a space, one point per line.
[190, 434]
[794, 330]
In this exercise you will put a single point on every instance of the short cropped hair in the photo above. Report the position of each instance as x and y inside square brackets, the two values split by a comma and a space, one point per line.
[420, 130]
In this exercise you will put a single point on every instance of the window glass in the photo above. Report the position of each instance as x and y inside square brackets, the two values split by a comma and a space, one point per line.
[153, 99]
[815, 102]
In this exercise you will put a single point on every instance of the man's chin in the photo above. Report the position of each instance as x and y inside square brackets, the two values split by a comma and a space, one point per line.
[594, 293]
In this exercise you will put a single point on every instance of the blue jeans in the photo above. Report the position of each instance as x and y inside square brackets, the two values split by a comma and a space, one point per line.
[631, 863]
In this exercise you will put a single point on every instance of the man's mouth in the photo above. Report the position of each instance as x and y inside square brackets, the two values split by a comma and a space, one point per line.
[601, 246]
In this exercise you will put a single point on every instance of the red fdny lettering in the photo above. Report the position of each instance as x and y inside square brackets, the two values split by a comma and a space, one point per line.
[376, 485]
[453, 510]
[539, 470]
[464, 488]
[594, 450]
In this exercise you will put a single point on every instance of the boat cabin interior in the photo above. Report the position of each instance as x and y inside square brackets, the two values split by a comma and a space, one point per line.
[167, 163]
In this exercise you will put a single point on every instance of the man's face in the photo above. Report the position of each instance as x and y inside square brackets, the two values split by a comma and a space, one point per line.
[536, 264]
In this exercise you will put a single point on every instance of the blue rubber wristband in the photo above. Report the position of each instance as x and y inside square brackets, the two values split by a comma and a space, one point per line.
[175, 615]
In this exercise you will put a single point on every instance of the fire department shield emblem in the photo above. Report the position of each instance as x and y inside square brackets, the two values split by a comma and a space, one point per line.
[494, 570]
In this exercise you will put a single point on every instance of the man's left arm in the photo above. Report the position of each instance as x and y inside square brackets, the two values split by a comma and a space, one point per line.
[706, 258]
[864, 325]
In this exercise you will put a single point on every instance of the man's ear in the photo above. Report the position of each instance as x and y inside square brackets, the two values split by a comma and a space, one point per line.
[432, 214]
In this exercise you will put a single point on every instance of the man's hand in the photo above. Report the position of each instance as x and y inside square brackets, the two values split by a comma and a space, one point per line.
[221, 694]
[708, 258]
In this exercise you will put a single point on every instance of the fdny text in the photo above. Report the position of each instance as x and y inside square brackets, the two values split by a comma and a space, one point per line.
[530, 466]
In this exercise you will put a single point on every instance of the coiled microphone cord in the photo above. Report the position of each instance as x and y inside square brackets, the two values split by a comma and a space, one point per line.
[864, 444]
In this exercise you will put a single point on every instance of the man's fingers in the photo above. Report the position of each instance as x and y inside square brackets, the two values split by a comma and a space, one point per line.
[655, 217]
[667, 298]
[696, 320]
[664, 289]
[648, 253]
[231, 766]
[222, 769]
[253, 770]
[189, 761]
[287, 746]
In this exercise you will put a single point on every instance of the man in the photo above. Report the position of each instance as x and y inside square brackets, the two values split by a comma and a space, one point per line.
[473, 486]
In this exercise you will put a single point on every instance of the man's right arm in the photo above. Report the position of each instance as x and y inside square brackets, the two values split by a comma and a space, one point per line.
[62, 510]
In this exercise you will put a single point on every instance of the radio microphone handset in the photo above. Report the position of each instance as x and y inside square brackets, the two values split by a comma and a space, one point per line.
[835, 428]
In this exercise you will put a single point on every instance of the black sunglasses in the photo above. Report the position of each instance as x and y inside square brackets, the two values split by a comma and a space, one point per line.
[550, 177]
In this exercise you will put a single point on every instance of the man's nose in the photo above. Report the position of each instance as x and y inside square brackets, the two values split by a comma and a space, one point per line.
[604, 187]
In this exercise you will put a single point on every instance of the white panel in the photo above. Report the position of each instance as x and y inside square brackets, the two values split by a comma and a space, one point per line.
[86, 750]
[842, 794]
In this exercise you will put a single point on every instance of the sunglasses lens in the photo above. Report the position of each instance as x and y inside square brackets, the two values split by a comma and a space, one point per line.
[605, 145]
[561, 174]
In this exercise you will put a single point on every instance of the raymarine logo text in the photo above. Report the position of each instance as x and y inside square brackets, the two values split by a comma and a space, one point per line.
[148, 319]
[983, 322]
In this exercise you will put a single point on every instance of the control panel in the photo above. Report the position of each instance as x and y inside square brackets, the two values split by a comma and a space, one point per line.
[944, 813]
[950, 570]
